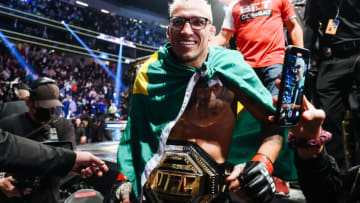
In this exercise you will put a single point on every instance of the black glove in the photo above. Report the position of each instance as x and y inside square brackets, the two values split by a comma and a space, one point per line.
[257, 181]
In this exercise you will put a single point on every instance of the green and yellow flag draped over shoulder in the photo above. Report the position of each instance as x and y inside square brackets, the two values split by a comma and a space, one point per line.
[161, 91]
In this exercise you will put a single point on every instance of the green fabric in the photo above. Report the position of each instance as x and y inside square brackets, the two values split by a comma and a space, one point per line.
[243, 148]
[160, 103]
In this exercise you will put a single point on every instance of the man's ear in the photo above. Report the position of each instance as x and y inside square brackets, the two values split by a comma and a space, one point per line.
[168, 33]
[212, 32]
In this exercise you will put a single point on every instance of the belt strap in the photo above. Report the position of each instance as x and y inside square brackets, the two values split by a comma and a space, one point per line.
[342, 49]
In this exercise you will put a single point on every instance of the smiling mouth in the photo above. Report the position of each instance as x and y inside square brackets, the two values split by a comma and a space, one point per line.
[186, 43]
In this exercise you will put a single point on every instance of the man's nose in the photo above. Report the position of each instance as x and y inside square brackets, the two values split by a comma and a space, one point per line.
[186, 28]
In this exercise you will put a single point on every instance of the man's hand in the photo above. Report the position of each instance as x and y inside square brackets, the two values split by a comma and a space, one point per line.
[258, 182]
[252, 182]
[7, 187]
[254, 179]
[309, 126]
[233, 177]
[87, 164]
[310, 122]
[121, 192]
[124, 191]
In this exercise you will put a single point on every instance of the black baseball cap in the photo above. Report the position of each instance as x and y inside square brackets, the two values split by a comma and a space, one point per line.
[47, 96]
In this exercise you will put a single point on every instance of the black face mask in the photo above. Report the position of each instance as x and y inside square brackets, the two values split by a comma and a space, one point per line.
[44, 115]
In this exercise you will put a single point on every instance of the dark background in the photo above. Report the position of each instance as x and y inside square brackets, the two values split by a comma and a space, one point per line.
[160, 7]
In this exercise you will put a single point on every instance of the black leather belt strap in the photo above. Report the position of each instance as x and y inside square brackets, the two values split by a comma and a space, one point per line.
[342, 49]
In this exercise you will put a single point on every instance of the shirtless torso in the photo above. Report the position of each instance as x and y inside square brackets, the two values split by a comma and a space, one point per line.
[209, 119]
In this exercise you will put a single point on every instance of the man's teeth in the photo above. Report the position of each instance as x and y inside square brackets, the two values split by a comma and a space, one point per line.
[187, 43]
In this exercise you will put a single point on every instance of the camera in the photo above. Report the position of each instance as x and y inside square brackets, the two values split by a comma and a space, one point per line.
[23, 182]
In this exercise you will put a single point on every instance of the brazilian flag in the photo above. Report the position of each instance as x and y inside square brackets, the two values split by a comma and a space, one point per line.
[162, 89]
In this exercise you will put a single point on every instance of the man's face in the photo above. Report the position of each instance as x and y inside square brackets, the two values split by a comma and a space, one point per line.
[43, 114]
[298, 74]
[299, 69]
[77, 121]
[190, 45]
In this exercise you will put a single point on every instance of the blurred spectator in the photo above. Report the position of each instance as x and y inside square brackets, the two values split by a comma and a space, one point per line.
[112, 109]
[79, 132]
[102, 134]
[16, 104]
[72, 107]
[92, 127]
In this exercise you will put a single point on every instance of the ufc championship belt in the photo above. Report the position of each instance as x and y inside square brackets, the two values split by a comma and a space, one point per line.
[186, 173]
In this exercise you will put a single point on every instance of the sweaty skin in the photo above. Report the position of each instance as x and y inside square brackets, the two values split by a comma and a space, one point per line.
[209, 115]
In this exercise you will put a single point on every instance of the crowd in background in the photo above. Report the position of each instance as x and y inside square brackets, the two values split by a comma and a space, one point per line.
[93, 19]
[88, 92]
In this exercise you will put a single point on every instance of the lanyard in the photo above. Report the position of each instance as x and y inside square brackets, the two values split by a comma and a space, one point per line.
[338, 10]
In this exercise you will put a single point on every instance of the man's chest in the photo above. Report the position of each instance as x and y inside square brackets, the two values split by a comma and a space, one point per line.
[211, 109]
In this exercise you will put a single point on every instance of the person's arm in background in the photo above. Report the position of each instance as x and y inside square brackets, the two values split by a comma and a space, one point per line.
[34, 158]
[222, 39]
[227, 29]
[311, 22]
[83, 138]
[292, 25]
[319, 176]
[295, 31]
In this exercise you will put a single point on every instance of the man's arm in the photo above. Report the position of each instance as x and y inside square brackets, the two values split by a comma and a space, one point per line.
[222, 39]
[319, 175]
[272, 135]
[320, 178]
[311, 19]
[21, 155]
[255, 176]
[295, 31]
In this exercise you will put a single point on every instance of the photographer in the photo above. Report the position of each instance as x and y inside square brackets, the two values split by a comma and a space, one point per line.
[39, 124]
[15, 99]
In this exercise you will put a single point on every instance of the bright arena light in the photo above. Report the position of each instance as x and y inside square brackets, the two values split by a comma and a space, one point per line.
[82, 3]
[105, 11]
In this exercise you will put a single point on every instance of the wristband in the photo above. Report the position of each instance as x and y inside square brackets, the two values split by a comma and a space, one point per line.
[294, 143]
[264, 159]
[121, 177]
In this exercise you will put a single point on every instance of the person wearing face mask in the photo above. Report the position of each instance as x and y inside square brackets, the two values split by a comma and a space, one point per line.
[41, 124]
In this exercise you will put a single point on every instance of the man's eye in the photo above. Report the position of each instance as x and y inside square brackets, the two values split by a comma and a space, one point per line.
[198, 22]
[177, 22]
